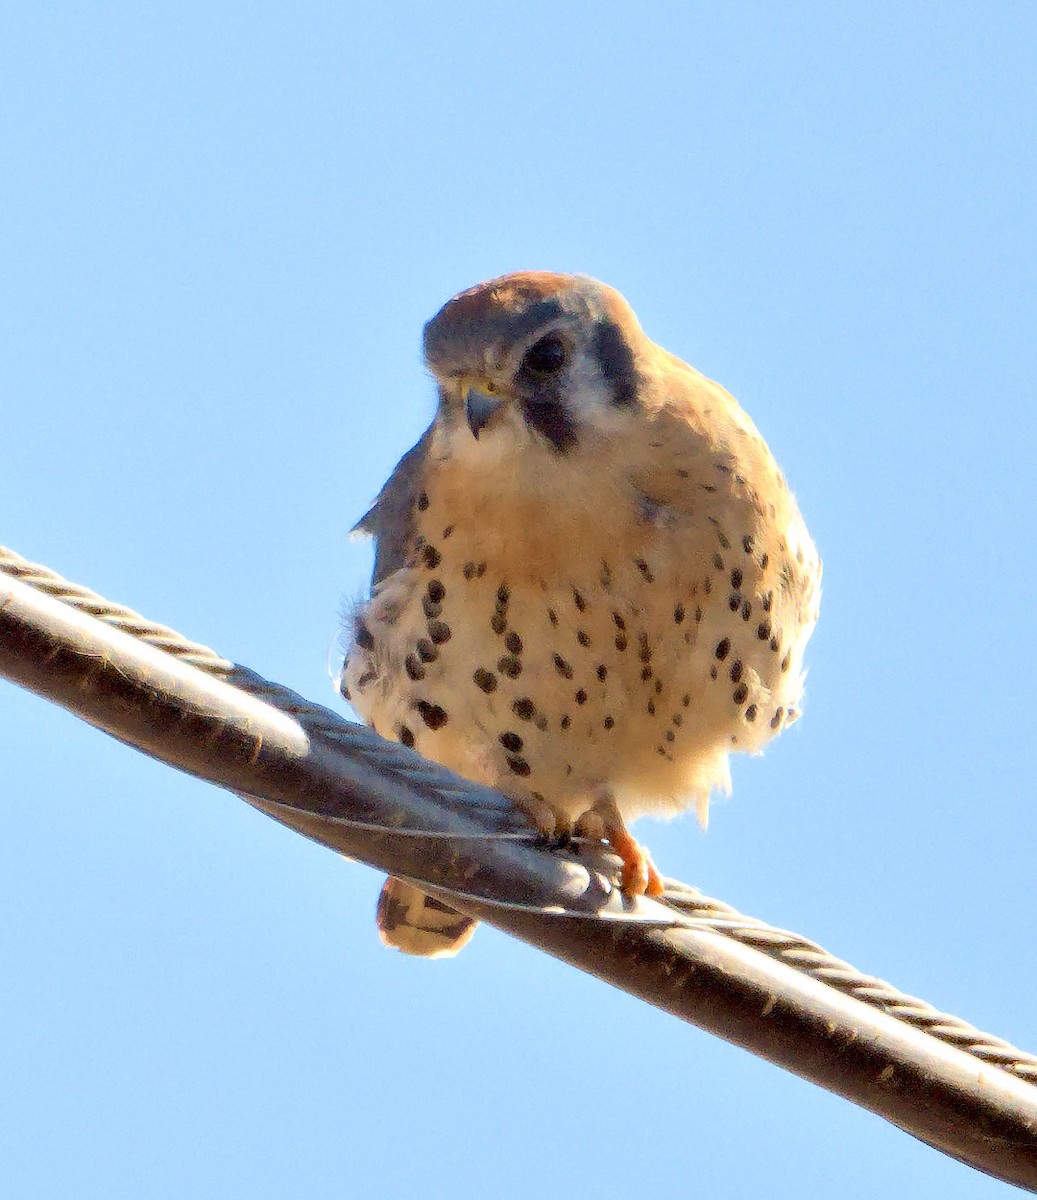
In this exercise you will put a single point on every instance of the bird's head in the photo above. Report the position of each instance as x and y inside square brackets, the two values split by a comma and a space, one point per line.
[534, 361]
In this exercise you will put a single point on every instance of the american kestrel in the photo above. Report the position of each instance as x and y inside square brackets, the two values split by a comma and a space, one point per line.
[591, 581]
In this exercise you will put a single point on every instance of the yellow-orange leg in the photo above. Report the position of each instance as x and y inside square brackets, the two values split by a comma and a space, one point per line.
[639, 875]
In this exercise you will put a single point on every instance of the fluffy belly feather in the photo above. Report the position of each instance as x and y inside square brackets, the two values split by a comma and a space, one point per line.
[634, 674]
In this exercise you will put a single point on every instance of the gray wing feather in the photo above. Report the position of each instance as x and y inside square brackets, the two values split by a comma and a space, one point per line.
[390, 520]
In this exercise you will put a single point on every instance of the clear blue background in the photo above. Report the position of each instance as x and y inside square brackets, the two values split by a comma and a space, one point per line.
[221, 228]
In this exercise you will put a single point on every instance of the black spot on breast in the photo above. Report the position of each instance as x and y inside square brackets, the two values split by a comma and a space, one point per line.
[750, 713]
[510, 666]
[433, 716]
[736, 671]
[363, 636]
[650, 708]
[422, 502]
[763, 631]
[747, 544]
[431, 557]
[565, 722]
[513, 643]
[426, 651]
[430, 608]
[747, 610]
[518, 765]
[552, 616]
[581, 697]
[609, 722]
[503, 596]
[498, 623]
[734, 600]
[686, 700]
[718, 562]
[439, 632]
[669, 735]
[436, 591]
[469, 570]
[602, 672]
[406, 736]
[413, 667]
[620, 623]
[643, 567]
[646, 674]
[644, 650]
[583, 638]
[768, 600]
[511, 741]
[448, 531]
[524, 709]
[561, 666]
[786, 662]
[723, 648]
[677, 720]
[736, 579]
[579, 601]
[741, 694]
[616, 361]
[776, 719]
[774, 644]
[678, 614]
[621, 642]
[486, 680]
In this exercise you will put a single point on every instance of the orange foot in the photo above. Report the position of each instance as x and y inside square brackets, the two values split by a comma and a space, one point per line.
[639, 875]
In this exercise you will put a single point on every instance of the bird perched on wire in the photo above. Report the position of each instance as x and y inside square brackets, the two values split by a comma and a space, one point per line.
[591, 581]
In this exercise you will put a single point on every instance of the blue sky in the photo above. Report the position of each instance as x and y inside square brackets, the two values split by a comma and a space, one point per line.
[221, 228]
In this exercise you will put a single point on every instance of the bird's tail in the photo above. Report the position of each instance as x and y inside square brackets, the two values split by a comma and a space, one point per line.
[414, 922]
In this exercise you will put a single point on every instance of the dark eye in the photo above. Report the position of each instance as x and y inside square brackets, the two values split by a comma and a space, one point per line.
[546, 357]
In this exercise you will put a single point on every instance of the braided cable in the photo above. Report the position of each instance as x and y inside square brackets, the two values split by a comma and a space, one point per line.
[689, 907]
[811, 959]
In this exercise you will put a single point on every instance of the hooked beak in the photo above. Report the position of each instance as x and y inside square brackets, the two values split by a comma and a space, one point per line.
[479, 409]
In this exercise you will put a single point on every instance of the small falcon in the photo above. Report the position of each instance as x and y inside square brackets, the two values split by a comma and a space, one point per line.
[591, 580]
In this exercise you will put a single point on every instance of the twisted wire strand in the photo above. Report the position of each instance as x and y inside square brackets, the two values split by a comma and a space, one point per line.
[811, 959]
[388, 756]
[83, 599]
[690, 907]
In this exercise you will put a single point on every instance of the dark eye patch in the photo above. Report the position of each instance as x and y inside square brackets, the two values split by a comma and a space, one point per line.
[616, 362]
[548, 416]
